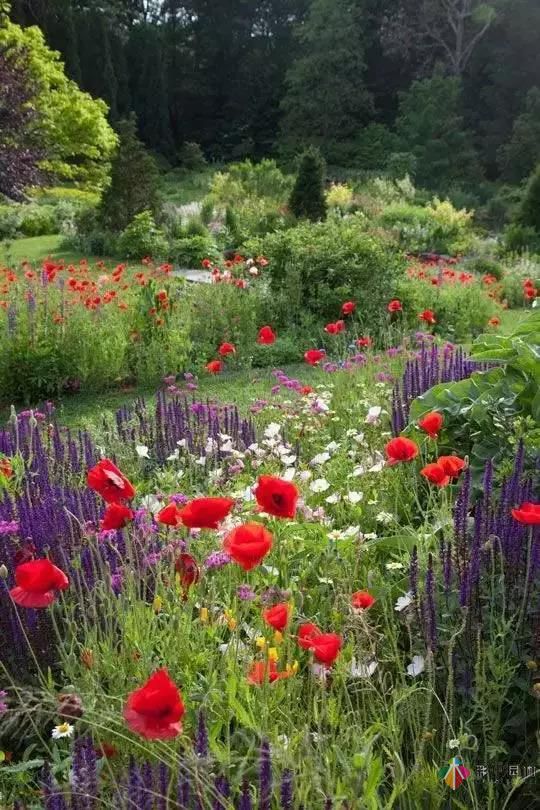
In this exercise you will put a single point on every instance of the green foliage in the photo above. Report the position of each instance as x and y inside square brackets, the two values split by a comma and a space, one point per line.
[401, 164]
[76, 137]
[307, 197]
[372, 145]
[340, 196]
[134, 181]
[326, 99]
[529, 212]
[316, 267]
[189, 251]
[263, 180]
[191, 156]
[430, 126]
[30, 219]
[521, 154]
[484, 265]
[437, 227]
[142, 238]
[483, 412]
[520, 238]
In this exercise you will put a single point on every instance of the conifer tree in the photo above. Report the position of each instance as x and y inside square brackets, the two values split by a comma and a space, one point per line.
[307, 199]
[529, 214]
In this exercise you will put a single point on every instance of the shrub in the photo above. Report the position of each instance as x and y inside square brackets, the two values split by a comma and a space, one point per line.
[263, 180]
[142, 238]
[485, 266]
[437, 227]
[401, 164]
[529, 212]
[372, 146]
[307, 197]
[191, 156]
[339, 195]
[519, 238]
[316, 267]
[189, 251]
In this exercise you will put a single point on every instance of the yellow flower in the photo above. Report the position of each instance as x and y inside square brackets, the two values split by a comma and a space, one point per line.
[157, 604]
[292, 669]
[231, 624]
[273, 654]
[261, 642]
[278, 637]
[203, 615]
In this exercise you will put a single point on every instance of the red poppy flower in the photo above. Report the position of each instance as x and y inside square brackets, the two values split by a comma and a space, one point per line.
[306, 633]
[266, 672]
[394, 305]
[188, 570]
[226, 348]
[155, 710]
[314, 356]
[37, 581]
[205, 513]
[106, 479]
[428, 316]
[452, 465]
[530, 292]
[331, 328]
[431, 423]
[435, 474]
[116, 516]
[206, 263]
[400, 449]
[276, 496]
[248, 545]
[527, 513]
[306, 389]
[364, 342]
[277, 616]
[169, 515]
[266, 336]
[494, 321]
[214, 366]
[5, 468]
[362, 600]
[348, 308]
[106, 750]
[326, 647]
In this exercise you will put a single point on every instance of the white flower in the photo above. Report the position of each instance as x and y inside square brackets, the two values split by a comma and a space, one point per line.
[333, 498]
[211, 445]
[142, 451]
[321, 406]
[272, 430]
[370, 536]
[373, 415]
[416, 667]
[351, 531]
[201, 461]
[174, 457]
[305, 475]
[151, 503]
[334, 535]
[63, 730]
[394, 566]
[358, 471]
[182, 443]
[319, 485]
[385, 517]
[354, 497]
[453, 743]
[320, 672]
[319, 459]
[289, 474]
[288, 460]
[403, 602]
[332, 447]
[359, 670]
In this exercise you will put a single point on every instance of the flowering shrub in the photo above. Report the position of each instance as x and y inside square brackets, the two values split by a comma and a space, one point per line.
[436, 227]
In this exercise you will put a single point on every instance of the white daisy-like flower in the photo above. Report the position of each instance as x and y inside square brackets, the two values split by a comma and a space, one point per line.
[63, 730]
[359, 438]
[363, 670]
[305, 475]
[453, 743]
[403, 602]
[385, 518]
[416, 667]
[142, 451]
[319, 485]
[272, 430]
[352, 531]
[358, 471]
[394, 566]
[373, 415]
[335, 534]
[174, 456]
[288, 460]
[201, 461]
[377, 467]
[319, 459]
[332, 447]
[151, 503]
[335, 498]
[355, 497]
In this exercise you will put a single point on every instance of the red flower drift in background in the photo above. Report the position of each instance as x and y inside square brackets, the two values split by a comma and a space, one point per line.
[155, 710]
[276, 496]
[428, 316]
[314, 356]
[36, 583]
[205, 513]
[362, 600]
[335, 328]
[266, 336]
[226, 348]
[528, 513]
[266, 672]
[107, 480]
[306, 633]
[435, 474]
[431, 423]
[364, 342]
[400, 449]
[394, 305]
[348, 308]
[214, 366]
[116, 516]
[169, 515]
[248, 545]
[277, 616]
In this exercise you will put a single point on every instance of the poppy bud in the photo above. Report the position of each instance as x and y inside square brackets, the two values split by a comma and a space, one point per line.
[3, 572]
[70, 706]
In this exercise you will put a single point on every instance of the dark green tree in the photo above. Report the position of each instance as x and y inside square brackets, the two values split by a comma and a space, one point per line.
[520, 155]
[97, 71]
[430, 126]
[326, 100]
[134, 181]
[307, 199]
[529, 213]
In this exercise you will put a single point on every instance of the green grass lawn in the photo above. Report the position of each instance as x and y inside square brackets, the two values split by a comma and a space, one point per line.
[36, 249]
[182, 187]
